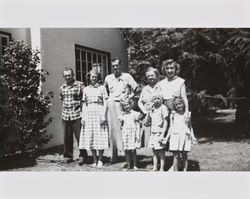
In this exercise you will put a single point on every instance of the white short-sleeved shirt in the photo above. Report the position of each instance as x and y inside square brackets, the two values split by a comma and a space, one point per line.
[120, 86]
[158, 116]
[171, 89]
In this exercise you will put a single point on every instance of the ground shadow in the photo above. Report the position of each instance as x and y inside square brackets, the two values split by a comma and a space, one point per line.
[17, 161]
[219, 126]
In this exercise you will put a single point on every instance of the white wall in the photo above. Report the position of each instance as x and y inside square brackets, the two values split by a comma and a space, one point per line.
[58, 51]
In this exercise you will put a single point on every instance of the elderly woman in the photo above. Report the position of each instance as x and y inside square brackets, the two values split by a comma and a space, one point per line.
[172, 85]
[145, 100]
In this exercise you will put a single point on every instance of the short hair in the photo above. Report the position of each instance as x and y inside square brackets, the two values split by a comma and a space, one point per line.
[170, 62]
[93, 71]
[67, 69]
[124, 101]
[116, 58]
[177, 100]
[157, 93]
[155, 70]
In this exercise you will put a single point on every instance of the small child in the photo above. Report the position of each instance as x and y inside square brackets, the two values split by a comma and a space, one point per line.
[180, 133]
[158, 115]
[130, 129]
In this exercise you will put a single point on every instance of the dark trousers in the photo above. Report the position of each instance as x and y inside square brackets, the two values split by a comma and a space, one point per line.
[70, 128]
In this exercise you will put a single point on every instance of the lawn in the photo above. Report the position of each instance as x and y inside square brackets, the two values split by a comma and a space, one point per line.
[220, 148]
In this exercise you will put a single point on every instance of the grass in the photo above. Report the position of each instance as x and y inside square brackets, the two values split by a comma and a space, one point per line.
[220, 148]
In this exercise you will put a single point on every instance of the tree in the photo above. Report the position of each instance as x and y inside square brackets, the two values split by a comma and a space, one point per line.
[26, 108]
[214, 62]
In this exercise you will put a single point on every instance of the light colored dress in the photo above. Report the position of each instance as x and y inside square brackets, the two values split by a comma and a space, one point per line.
[130, 129]
[158, 117]
[146, 100]
[180, 133]
[118, 87]
[171, 89]
[94, 135]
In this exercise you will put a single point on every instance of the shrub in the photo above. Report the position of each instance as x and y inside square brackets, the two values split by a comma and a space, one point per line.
[26, 108]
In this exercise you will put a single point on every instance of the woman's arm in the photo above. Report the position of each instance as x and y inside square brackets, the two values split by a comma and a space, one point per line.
[140, 104]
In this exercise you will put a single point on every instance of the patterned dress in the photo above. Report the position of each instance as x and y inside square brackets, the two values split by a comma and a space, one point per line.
[180, 133]
[93, 134]
[130, 129]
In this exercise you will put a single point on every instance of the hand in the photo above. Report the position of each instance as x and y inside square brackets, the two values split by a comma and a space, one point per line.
[194, 140]
[103, 120]
[83, 122]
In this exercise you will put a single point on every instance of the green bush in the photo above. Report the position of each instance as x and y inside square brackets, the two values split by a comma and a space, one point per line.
[25, 111]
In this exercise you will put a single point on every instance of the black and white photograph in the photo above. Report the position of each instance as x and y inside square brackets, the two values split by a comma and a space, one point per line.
[114, 102]
[120, 99]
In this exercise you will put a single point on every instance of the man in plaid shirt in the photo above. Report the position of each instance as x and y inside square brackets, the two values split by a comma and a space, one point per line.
[71, 96]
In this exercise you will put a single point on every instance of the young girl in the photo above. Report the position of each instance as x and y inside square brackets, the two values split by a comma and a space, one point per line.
[158, 115]
[180, 133]
[94, 132]
[130, 129]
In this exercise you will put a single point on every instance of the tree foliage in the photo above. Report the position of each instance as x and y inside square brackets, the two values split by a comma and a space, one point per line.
[26, 108]
[215, 62]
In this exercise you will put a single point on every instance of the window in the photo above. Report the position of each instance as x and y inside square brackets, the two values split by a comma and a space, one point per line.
[86, 58]
[4, 42]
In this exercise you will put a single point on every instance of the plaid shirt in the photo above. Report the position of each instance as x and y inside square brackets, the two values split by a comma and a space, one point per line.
[71, 97]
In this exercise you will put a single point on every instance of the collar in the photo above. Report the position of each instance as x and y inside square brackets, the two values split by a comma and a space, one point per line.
[95, 86]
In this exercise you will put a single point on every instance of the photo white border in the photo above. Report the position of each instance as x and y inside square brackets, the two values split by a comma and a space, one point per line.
[125, 13]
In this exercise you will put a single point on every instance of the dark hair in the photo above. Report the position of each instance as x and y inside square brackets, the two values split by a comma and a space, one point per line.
[68, 69]
[116, 58]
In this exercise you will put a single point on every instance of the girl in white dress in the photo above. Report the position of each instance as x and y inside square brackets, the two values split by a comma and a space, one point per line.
[94, 132]
[130, 129]
[180, 133]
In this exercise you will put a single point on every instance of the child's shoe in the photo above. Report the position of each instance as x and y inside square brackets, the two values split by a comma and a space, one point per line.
[99, 164]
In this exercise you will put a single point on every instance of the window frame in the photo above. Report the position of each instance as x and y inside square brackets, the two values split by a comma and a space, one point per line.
[105, 71]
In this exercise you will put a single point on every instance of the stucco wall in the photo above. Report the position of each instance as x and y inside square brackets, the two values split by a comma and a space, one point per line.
[19, 34]
[58, 51]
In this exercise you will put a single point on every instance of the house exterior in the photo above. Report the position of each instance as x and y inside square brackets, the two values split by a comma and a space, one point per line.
[78, 48]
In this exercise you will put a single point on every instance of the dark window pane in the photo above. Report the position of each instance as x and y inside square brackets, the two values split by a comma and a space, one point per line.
[84, 66]
[78, 66]
[84, 77]
[4, 41]
[78, 76]
[89, 66]
[99, 59]
[77, 54]
[94, 58]
[89, 57]
[104, 60]
[83, 53]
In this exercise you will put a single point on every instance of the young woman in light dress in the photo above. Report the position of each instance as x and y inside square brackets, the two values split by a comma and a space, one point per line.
[94, 133]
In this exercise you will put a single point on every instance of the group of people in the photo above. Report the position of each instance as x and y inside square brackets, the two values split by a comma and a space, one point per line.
[102, 116]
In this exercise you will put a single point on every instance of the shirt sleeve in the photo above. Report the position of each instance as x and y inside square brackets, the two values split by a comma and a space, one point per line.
[104, 92]
[164, 111]
[60, 93]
